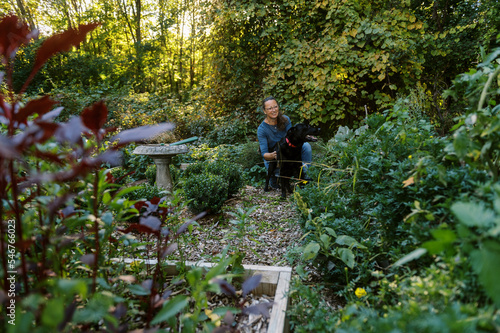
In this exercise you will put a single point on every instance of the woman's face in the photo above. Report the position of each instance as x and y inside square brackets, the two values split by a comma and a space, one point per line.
[271, 109]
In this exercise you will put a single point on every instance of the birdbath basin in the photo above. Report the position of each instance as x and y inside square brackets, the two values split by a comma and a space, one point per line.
[162, 156]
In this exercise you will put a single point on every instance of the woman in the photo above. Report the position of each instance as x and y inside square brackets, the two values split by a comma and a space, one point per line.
[271, 131]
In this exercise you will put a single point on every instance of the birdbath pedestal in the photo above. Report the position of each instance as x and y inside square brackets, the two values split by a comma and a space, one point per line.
[162, 156]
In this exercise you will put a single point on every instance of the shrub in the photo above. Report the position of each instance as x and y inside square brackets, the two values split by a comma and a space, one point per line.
[150, 174]
[308, 311]
[206, 191]
[65, 222]
[229, 171]
[146, 191]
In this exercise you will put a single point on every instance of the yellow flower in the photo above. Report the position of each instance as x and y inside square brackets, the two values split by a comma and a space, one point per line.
[360, 292]
[410, 157]
[136, 264]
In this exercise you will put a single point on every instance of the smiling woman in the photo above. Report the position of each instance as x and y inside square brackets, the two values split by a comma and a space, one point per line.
[272, 129]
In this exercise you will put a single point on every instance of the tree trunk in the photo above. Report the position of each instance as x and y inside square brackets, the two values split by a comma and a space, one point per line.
[181, 50]
[24, 13]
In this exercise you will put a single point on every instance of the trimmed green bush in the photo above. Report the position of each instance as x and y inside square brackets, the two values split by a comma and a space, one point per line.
[206, 191]
[209, 184]
[147, 192]
[228, 170]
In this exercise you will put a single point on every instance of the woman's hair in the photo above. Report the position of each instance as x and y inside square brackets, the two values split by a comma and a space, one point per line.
[281, 120]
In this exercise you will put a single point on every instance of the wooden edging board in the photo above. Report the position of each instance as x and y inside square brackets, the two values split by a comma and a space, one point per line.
[275, 282]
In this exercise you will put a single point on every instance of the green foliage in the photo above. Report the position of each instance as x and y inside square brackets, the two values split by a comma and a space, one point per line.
[309, 312]
[325, 241]
[206, 191]
[231, 172]
[150, 174]
[145, 192]
[68, 228]
[230, 130]
[210, 184]
[355, 54]
[477, 138]
[406, 193]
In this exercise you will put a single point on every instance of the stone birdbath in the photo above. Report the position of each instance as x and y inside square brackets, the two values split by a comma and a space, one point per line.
[162, 156]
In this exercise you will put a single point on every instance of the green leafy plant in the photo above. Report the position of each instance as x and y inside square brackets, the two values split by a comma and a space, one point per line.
[325, 242]
[210, 184]
[206, 191]
[66, 224]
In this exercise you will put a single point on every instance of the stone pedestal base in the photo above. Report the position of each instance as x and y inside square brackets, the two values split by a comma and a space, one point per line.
[162, 156]
[163, 177]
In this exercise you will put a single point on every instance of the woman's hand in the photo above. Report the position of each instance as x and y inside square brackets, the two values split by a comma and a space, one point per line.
[271, 156]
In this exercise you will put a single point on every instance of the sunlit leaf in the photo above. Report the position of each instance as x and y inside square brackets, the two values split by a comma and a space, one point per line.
[311, 251]
[346, 256]
[410, 257]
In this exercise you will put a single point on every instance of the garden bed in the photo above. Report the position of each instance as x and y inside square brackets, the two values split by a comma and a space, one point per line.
[275, 282]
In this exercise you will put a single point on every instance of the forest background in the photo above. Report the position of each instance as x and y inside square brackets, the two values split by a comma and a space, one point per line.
[199, 63]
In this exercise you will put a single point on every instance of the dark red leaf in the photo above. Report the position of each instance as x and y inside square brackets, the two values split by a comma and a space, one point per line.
[139, 228]
[49, 157]
[7, 148]
[40, 106]
[68, 314]
[58, 201]
[50, 115]
[183, 227]
[71, 131]
[109, 178]
[151, 208]
[139, 204]
[147, 284]
[24, 245]
[60, 43]
[165, 232]
[120, 311]
[229, 318]
[88, 259]
[170, 249]
[152, 222]
[13, 34]
[250, 284]
[48, 129]
[113, 157]
[155, 200]
[5, 110]
[259, 309]
[95, 117]
[225, 287]
[68, 211]
[166, 294]
[35, 133]
[141, 133]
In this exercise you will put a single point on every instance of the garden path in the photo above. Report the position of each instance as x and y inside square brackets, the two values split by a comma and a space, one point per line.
[269, 232]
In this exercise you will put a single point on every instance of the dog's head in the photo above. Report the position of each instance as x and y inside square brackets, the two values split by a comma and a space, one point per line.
[303, 133]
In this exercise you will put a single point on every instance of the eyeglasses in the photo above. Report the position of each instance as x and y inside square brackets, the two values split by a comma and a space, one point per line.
[272, 108]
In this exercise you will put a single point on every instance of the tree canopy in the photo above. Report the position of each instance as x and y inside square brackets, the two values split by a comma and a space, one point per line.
[328, 62]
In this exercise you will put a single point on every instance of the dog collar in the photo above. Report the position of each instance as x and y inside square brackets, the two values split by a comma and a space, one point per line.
[290, 144]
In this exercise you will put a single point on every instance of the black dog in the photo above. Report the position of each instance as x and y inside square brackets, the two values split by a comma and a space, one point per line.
[289, 159]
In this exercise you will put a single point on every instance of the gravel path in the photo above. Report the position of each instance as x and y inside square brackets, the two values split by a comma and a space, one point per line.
[266, 234]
